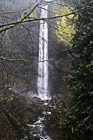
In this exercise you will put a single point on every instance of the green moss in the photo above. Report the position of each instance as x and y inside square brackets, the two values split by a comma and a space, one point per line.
[11, 26]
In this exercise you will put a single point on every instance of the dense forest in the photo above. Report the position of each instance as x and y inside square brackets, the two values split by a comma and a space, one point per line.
[46, 70]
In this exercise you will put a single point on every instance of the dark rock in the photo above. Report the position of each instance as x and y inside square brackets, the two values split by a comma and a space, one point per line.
[36, 99]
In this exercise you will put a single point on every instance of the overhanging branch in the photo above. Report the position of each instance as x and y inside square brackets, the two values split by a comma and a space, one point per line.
[10, 25]
[12, 60]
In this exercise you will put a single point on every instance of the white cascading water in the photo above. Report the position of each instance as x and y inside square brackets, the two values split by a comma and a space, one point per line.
[42, 82]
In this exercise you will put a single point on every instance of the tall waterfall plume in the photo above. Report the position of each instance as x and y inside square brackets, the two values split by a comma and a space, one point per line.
[42, 82]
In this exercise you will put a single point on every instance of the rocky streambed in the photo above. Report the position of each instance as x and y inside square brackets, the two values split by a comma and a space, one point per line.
[37, 128]
[46, 126]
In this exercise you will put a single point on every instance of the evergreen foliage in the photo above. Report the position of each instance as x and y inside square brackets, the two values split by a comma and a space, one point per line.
[79, 113]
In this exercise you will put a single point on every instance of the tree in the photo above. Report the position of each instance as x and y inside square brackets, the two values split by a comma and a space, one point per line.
[79, 113]
[65, 28]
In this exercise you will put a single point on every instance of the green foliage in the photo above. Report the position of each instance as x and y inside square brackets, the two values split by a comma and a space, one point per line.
[65, 28]
[78, 120]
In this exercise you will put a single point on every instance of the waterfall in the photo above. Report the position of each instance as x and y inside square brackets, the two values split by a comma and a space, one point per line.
[42, 82]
